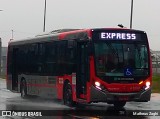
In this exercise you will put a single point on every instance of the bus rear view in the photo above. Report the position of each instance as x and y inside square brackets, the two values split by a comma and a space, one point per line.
[122, 66]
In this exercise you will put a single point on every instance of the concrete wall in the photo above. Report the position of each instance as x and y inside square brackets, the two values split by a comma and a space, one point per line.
[3, 61]
[3, 65]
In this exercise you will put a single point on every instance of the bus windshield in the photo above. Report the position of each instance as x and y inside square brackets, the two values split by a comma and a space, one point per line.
[116, 58]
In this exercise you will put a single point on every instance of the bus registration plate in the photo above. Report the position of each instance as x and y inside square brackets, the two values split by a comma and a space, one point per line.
[123, 98]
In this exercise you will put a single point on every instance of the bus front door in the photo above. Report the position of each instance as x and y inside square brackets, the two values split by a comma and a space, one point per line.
[82, 70]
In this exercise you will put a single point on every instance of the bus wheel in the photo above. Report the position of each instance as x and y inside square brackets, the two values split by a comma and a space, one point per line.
[23, 89]
[119, 104]
[67, 95]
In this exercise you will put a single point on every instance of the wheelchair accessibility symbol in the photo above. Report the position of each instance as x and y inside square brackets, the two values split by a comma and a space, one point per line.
[128, 72]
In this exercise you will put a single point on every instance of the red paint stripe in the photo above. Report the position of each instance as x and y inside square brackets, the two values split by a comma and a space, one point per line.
[63, 35]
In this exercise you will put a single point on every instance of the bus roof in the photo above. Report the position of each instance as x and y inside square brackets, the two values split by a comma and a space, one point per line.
[62, 33]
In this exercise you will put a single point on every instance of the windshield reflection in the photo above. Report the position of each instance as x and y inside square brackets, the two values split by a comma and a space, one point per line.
[121, 59]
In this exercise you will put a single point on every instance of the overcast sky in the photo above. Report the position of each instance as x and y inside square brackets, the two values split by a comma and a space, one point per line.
[25, 17]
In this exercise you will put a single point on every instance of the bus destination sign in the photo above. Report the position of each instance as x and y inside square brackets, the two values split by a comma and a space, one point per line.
[122, 35]
[117, 36]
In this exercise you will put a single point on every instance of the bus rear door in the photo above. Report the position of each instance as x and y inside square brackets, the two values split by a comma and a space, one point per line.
[82, 70]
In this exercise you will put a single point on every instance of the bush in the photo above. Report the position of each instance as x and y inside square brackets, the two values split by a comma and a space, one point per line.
[156, 84]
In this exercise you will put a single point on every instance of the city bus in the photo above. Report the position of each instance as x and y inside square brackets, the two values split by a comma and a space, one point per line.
[111, 65]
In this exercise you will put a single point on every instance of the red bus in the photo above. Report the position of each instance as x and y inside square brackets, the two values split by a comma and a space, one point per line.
[110, 65]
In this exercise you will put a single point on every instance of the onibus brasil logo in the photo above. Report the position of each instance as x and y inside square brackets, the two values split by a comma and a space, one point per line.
[21, 113]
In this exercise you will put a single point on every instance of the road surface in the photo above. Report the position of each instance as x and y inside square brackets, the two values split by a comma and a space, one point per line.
[56, 109]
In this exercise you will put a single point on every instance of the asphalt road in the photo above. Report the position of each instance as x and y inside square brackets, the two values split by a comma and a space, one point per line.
[56, 109]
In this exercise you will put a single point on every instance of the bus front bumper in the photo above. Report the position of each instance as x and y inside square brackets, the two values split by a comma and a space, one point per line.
[105, 96]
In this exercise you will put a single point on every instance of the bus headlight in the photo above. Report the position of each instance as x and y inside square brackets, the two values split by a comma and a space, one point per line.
[148, 84]
[99, 86]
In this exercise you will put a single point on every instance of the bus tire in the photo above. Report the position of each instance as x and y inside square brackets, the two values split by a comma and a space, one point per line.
[67, 95]
[119, 104]
[23, 89]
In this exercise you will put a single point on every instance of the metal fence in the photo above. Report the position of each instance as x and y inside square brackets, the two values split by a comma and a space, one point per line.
[156, 67]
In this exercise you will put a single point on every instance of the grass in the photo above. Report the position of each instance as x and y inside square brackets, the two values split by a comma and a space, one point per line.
[156, 84]
[3, 76]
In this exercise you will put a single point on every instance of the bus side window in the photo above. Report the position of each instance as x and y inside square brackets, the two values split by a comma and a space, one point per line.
[71, 65]
[32, 59]
[40, 58]
[51, 58]
[61, 61]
